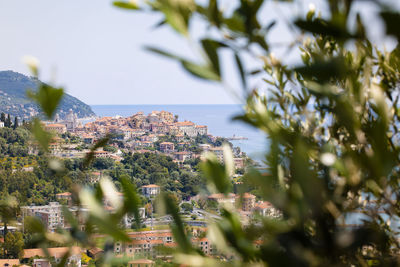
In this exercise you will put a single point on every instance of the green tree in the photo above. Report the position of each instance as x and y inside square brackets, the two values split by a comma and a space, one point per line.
[15, 122]
[13, 247]
[8, 121]
[3, 117]
[187, 207]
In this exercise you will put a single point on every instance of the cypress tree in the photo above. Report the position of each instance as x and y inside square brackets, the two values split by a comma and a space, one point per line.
[3, 117]
[15, 122]
[8, 121]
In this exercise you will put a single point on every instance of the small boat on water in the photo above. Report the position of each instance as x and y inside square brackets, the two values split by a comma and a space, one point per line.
[234, 137]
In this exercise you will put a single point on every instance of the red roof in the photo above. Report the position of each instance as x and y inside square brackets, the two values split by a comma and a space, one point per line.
[150, 186]
[248, 195]
[263, 205]
[54, 252]
[64, 194]
[217, 196]
[55, 125]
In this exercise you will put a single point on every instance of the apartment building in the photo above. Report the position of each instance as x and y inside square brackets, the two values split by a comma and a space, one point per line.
[248, 202]
[51, 214]
[57, 254]
[167, 147]
[144, 244]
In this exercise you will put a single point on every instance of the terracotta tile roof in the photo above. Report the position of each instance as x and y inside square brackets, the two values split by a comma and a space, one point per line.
[184, 123]
[9, 262]
[263, 205]
[217, 196]
[64, 194]
[141, 261]
[53, 125]
[150, 186]
[248, 195]
[54, 252]
[95, 250]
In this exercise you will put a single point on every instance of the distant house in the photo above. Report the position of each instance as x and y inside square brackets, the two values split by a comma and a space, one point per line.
[151, 190]
[205, 246]
[201, 129]
[101, 154]
[88, 139]
[179, 137]
[1, 124]
[182, 156]
[221, 198]
[267, 209]
[187, 127]
[205, 147]
[95, 252]
[167, 147]
[66, 196]
[141, 263]
[218, 151]
[41, 263]
[239, 163]
[56, 127]
[11, 229]
[57, 253]
[248, 201]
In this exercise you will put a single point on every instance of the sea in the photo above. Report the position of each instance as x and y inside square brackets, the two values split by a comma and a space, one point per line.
[218, 118]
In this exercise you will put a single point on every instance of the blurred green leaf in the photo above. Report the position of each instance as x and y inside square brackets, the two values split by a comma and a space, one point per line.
[131, 200]
[40, 134]
[392, 22]
[324, 71]
[90, 156]
[48, 98]
[324, 28]
[178, 227]
[216, 174]
[201, 71]
[126, 5]
[210, 47]
[241, 71]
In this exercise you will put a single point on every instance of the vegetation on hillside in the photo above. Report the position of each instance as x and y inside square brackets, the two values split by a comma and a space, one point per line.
[14, 99]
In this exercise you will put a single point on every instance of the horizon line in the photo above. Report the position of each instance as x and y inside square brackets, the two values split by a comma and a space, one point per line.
[163, 104]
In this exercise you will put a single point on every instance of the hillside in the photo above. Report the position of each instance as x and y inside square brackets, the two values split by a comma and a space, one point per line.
[13, 99]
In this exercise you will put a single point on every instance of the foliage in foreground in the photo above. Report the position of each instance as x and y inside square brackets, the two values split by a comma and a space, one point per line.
[332, 124]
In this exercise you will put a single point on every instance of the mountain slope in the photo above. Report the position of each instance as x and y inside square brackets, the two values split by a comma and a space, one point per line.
[13, 99]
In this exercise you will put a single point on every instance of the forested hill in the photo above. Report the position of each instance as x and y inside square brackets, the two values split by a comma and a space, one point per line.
[14, 101]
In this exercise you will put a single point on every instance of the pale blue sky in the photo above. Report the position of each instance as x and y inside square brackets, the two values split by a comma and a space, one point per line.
[95, 51]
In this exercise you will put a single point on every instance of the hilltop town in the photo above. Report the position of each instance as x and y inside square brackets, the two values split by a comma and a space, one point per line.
[155, 151]
[156, 132]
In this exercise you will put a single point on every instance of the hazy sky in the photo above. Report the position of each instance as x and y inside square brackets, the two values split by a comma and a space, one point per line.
[95, 51]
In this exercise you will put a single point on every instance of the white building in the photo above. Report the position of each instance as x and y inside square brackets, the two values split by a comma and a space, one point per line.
[51, 215]
[151, 190]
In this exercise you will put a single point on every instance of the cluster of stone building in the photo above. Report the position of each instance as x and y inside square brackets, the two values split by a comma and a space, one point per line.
[139, 133]
[52, 217]
[157, 122]
[247, 205]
